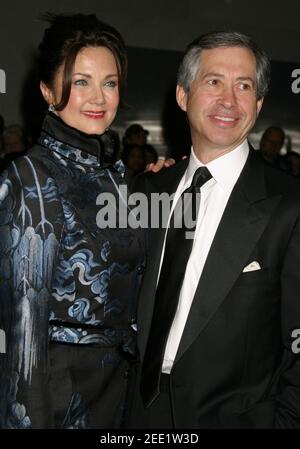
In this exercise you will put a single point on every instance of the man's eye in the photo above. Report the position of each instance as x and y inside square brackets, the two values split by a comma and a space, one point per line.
[213, 82]
[80, 83]
[245, 86]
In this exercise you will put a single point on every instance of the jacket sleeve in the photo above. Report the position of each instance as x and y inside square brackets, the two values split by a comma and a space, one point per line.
[288, 397]
[29, 242]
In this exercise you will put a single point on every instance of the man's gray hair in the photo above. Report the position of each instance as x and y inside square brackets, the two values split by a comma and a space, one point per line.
[192, 58]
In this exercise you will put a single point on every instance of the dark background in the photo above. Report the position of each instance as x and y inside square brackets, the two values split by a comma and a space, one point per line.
[156, 33]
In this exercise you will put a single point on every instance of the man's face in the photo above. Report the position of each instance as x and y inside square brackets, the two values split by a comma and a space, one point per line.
[221, 104]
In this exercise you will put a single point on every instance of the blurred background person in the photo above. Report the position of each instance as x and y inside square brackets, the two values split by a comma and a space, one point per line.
[135, 134]
[150, 154]
[14, 144]
[294, 161]
[14, 140]
[271, 143]
[133, 157]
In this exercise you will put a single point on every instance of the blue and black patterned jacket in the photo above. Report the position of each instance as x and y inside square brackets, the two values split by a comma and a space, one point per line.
[62, 278]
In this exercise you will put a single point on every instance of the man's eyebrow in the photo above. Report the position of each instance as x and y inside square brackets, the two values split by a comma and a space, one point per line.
[246, 78]
[220, 75]
[210, 74]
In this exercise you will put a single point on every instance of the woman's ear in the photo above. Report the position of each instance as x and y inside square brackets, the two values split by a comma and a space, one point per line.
[47, 93]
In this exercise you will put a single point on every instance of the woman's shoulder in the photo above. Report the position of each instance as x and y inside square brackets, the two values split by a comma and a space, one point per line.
[29, 179]
[28, 168]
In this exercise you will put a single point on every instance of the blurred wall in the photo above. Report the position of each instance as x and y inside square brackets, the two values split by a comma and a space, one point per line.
[162, 25]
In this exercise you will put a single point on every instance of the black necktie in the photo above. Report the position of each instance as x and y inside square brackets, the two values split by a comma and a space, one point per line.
[177, 252]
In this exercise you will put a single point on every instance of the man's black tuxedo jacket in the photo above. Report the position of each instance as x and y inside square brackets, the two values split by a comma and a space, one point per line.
[235, 367]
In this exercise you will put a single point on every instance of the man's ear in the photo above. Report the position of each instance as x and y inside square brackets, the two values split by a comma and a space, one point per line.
[47, 93]
[259, 104]
[181, 97]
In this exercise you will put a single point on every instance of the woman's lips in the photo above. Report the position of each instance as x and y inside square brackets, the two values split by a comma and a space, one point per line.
[94, 115]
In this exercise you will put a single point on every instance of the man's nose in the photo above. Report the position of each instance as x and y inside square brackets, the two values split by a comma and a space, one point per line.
[228, 97]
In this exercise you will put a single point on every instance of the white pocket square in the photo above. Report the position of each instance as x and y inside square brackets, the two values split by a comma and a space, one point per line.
[253, 266]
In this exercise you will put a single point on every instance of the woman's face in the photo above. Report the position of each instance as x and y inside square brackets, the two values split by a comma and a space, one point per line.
[94, 96]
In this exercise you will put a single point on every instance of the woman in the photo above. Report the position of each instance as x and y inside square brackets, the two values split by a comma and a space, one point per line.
[67, 288]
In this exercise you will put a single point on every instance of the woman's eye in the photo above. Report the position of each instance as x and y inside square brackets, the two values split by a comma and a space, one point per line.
[111, 83]
[80, 83]
[213, 82]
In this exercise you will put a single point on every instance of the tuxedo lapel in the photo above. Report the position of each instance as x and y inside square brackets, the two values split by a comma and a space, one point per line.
[245, 217]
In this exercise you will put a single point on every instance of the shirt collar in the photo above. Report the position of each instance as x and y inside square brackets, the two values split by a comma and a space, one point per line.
[225, 170]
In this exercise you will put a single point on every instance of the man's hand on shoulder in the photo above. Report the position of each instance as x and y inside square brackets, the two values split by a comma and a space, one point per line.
[160, 164]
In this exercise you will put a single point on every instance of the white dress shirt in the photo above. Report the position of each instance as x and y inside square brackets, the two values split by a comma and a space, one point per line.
[225, 171]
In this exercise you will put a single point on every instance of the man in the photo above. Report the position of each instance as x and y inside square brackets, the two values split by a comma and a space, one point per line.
[270, 145]
[216, 323]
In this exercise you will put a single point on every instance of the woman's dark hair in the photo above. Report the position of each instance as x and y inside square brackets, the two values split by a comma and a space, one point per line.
[63, 40]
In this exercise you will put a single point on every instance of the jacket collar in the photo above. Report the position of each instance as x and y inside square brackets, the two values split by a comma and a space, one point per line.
[70, 143]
